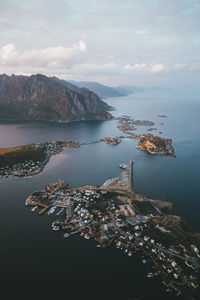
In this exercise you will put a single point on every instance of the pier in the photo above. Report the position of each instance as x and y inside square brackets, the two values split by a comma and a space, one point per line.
[130, 175]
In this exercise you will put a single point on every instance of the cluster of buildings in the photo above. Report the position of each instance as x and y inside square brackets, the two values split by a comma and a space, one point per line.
[32, 167]
[101, 214]
[23, 169]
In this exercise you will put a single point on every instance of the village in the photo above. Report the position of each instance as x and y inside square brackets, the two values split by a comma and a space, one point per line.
[30, 159]
[114, 215]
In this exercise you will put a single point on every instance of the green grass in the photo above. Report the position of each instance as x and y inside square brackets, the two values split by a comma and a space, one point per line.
[145, 208]
[13, 155]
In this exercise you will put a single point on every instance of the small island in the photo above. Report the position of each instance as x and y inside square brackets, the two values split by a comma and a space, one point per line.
[130, 120]
[126, 127]
[151, 129]
[142, 122]
[156, 145]
[112, 140]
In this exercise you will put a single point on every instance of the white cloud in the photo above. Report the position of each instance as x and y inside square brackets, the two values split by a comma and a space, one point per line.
[159, 68]
[135, 67]
[51, 57]
[146, 68]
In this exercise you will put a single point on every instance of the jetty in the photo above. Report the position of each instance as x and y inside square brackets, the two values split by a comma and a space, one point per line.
[130, 175]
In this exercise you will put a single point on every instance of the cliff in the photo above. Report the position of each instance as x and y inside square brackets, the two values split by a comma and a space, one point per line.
[38, 97]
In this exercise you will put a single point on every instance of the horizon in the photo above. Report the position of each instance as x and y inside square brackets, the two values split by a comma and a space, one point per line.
[137, 43]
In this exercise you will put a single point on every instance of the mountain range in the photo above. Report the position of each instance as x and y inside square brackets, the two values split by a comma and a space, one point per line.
[38, 97]
[104, 91]
[101, 90]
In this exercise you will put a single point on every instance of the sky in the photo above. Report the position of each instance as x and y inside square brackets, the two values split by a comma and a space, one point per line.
[114, 42]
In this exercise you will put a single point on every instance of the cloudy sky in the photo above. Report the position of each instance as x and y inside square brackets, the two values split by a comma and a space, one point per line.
[132, 42]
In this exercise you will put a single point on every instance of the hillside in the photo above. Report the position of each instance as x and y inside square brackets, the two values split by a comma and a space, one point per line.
[38, 97]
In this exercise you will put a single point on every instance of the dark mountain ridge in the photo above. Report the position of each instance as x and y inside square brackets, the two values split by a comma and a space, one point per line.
[38, 97]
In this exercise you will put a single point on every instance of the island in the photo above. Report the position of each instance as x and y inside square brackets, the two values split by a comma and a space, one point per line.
[126, 127]
[115, 215]
[156, 145]
[151, 128]
[130, 120]
[112, 140]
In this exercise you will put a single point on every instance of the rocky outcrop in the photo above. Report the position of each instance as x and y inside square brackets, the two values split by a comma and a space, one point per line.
[112, 140]
[38, 97]
[156, 145]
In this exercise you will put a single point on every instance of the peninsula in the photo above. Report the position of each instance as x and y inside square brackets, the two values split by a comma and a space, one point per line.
[30, 159]
[115, 215]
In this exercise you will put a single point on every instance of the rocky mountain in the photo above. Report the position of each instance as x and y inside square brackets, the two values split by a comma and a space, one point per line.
[39, 97]
[101, 90]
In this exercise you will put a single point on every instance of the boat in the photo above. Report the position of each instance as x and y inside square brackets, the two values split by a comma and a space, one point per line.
[56, 228]
[66, 235]
[51, 211]
[34, 208]
[122, 166]
[144, 261]
[149, 275]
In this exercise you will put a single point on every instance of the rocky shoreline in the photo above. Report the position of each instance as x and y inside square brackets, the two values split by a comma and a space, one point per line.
[112, 141]
[156, 145]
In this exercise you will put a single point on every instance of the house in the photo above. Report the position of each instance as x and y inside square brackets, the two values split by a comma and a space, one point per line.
[174, 264]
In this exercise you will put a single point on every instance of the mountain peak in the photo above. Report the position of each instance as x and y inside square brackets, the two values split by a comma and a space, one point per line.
[38, 97]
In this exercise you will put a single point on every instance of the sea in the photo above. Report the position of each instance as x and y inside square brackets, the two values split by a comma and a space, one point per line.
[36, 261]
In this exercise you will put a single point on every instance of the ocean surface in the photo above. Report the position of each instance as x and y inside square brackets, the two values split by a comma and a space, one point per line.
[36, 260]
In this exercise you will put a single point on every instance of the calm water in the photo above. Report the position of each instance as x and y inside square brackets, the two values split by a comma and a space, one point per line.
[34, 259]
